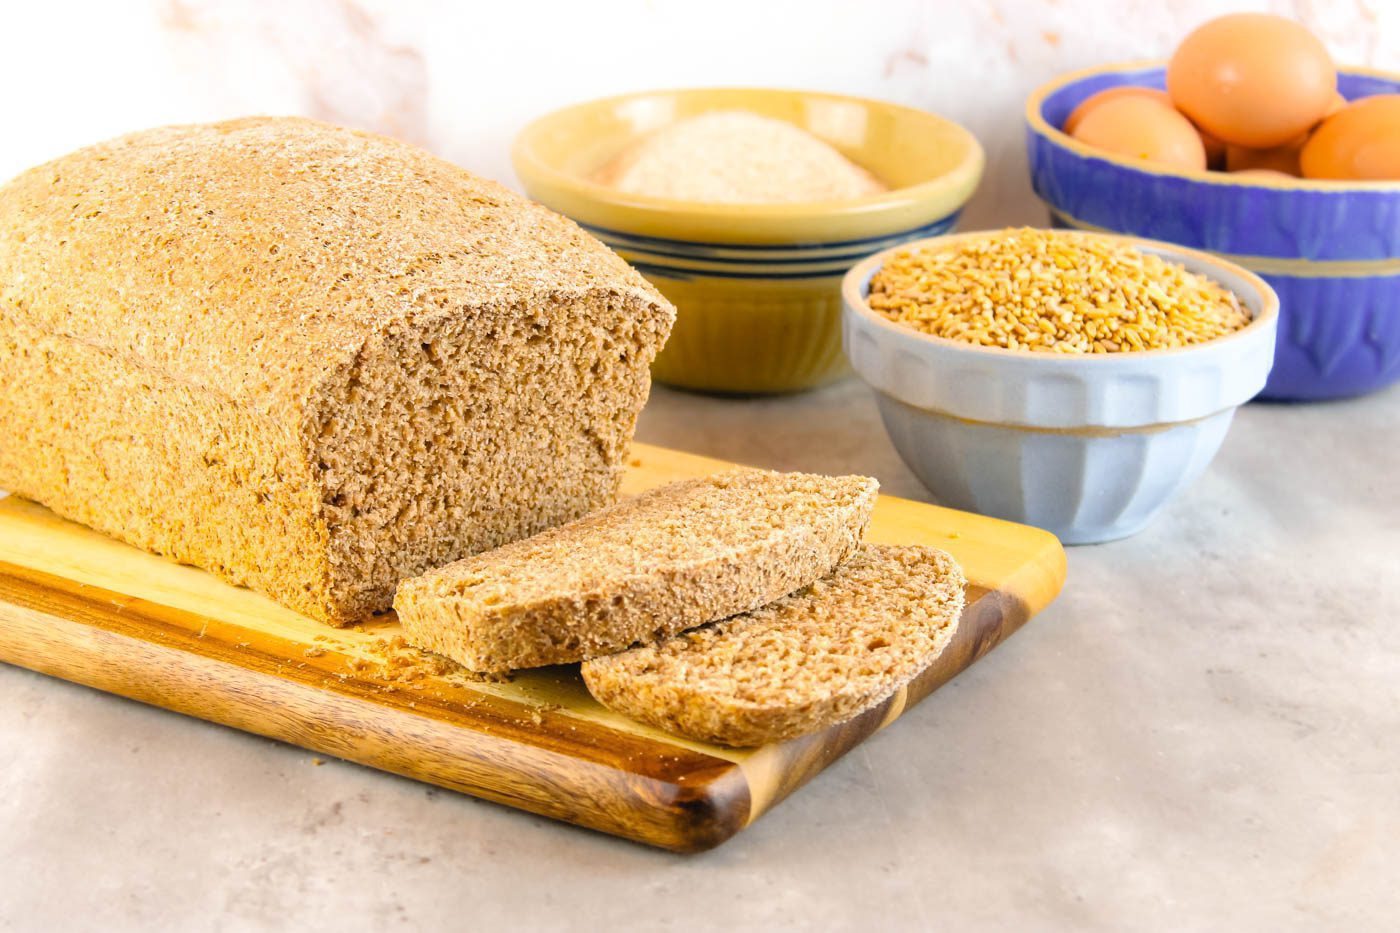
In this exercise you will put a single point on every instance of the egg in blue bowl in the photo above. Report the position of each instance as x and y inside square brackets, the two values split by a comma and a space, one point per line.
[1330, 249]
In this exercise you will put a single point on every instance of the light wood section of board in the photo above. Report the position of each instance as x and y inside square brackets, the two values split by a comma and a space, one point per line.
[81, 606]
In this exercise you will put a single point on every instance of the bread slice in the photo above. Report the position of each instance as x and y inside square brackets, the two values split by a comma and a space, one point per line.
[810, 660]
[645, 568]
[311, 360]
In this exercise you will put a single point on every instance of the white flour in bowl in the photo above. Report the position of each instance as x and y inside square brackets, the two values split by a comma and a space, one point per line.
[737, 157]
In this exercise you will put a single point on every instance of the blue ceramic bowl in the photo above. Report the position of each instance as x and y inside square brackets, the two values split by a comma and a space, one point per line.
[1331, 250]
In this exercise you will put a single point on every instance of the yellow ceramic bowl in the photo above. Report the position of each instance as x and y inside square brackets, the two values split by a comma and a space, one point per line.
[758, 287]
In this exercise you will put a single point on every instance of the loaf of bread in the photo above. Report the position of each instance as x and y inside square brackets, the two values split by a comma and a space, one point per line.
[667, 560]
[311, 360]
[810, 660]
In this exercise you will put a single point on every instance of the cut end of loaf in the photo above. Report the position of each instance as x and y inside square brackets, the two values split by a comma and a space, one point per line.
[453, 434]
[811, 660]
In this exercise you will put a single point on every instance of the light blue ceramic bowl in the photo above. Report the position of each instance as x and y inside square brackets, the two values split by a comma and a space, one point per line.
[1087, 446]
[1331, 250]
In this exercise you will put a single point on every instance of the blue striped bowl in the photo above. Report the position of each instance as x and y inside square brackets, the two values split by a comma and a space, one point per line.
[757, 287]
[1331, 250]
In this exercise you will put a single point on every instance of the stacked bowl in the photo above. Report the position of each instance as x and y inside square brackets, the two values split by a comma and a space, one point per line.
[757, 286]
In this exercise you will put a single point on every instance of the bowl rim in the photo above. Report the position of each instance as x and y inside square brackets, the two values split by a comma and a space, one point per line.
[1038, 124]
[856, 281]
[967, 171]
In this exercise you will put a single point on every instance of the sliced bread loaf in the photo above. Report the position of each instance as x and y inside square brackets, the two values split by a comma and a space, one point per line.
[312, 360]
[809, 660]
[645, 568]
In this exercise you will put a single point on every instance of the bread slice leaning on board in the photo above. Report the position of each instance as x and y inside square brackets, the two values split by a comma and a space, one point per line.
[810, 660]
[311, 360]
[669, 559]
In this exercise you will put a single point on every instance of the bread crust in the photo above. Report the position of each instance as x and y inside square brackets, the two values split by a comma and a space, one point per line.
[200, 327]
[808, 661]
[667, 560]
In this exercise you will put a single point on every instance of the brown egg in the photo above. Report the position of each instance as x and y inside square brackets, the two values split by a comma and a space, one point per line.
[1337, 103]
[1112, 93]
[1141, 128]
[1360, 142]
[1282, 159]
[1252, 79]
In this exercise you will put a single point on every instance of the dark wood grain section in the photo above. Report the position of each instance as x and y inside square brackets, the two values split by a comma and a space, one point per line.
[989, 619]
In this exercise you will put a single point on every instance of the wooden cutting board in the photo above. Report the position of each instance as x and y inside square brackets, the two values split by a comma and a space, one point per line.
[81, 606]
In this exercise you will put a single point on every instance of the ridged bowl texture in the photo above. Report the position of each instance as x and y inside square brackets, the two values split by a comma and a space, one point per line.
[1089, 447]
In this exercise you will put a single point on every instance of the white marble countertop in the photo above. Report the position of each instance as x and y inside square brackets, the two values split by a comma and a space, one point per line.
[1199, 734]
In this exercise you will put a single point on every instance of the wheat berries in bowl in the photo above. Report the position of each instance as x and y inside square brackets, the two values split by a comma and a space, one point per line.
[1074, 381]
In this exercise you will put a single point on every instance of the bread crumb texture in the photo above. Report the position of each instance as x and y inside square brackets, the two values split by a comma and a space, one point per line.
[311, 360]
[810, 660]
[645, 568]
[737, 157]
[401, 663]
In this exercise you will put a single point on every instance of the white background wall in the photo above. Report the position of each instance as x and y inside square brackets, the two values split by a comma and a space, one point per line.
[462, 78]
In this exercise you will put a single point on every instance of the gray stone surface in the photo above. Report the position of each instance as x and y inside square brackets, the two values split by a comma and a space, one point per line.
[1203, 732]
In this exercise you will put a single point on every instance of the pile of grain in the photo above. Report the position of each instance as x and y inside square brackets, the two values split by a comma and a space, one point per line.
[737, 157]
[1053, 291]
